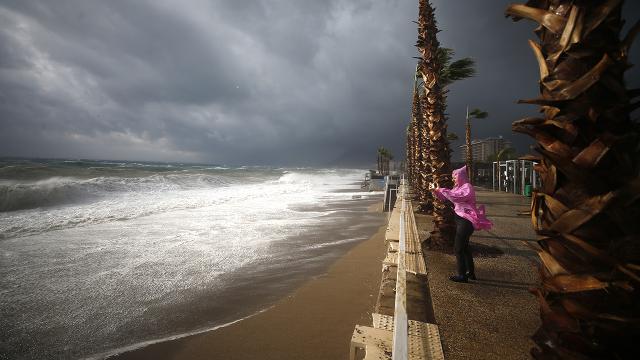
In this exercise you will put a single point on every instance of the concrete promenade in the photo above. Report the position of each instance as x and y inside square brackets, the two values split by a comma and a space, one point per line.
[493, 317]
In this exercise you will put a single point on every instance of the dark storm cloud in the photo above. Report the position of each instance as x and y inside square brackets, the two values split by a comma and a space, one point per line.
[244, 82]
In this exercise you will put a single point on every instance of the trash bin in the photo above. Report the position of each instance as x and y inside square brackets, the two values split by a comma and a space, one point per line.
[527, 190]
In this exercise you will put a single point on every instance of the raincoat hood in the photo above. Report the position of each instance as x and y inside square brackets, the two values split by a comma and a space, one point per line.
[460, 175]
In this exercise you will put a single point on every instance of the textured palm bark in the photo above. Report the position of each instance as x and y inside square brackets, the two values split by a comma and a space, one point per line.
[409, 156]
[433, 112]
[415, 133]
[425, 197]
[426, 170]
[588, 208]
[417, 145]
[415, 158]
[469, 149]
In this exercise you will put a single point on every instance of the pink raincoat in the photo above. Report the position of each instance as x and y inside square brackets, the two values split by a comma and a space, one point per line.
[463, 196]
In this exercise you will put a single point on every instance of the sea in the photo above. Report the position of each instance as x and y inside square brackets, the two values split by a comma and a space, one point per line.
[99, 257]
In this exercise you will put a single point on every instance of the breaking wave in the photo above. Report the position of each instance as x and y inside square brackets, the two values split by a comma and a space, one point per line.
[65, 190]
[36, 206]
[108, 248]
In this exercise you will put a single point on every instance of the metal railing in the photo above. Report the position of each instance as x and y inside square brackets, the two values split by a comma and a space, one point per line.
[400, 325]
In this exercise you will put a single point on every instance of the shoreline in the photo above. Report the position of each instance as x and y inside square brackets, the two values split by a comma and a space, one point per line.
[315, 321]
[113, 354]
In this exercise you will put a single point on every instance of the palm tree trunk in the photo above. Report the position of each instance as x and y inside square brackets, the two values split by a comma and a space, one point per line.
[408, 166]
[433, 111]
[385, 169]
[417, 145]
[589, 204]
[426, 178]
[417, 158]
[469, 149]
[384, 164]
[414, 144]
[421, 148]
[408, 155]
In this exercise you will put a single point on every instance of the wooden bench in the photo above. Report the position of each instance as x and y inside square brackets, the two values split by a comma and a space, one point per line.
[414, 258]
[377, 342]
[414, 262]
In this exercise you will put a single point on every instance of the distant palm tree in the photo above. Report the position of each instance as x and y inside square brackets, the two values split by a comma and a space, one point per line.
[388, 158]
[474, 114]
[507, 153]
[384, 157]
[587, 210]
[381, 150]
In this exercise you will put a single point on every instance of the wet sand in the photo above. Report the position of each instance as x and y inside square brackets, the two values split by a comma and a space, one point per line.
[314, 322]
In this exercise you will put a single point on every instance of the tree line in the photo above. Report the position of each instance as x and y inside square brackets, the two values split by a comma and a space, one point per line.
[587, 209]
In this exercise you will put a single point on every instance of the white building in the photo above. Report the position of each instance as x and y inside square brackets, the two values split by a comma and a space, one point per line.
[482, 149]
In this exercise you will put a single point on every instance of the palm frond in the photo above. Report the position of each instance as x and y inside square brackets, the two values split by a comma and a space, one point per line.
[478, 114]
[457, 70]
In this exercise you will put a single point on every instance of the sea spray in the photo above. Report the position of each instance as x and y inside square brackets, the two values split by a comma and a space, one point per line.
[132, 252]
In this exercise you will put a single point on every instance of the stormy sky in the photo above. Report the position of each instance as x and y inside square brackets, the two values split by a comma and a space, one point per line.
[280, 82]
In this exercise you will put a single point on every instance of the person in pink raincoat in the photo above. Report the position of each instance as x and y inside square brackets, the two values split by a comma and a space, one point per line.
[468, 218]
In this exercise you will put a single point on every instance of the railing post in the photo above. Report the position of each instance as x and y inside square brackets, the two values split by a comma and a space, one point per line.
[400, 326]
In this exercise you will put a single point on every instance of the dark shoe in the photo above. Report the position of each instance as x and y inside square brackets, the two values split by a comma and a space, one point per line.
[471, 276]
[459, 278]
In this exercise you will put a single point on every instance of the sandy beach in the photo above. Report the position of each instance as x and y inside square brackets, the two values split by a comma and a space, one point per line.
[314, 322]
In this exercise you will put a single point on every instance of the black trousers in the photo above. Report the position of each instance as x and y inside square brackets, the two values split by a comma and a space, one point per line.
[464, 260]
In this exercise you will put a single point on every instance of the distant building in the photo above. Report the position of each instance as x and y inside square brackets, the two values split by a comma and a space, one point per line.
[482, 149]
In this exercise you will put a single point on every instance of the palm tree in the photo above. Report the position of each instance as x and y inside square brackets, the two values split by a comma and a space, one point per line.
[452, 137]
[451, 72]
[475, 114]
[384, 156]
[433, 108]
[420, 174]
[381, 150]
[409, 155]
[420, 132]
[588, 207]
[504, 154]
[388, 157]
[435, 77]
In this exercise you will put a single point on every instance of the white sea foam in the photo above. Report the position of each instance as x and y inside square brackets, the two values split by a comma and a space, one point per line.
[105, 199]
[97, 263]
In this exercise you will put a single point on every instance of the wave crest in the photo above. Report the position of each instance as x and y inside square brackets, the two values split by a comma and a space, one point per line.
[66, 190]
[52, 191]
